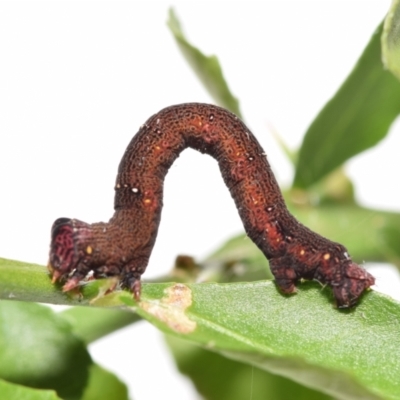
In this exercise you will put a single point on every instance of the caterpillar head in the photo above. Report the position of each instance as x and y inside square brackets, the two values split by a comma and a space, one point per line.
[353, 282]
[68, 252]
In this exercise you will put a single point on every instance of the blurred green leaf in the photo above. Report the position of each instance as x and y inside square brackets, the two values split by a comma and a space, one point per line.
[11, 391]
[336, 188]
[38, 349]
[238, 259]
[90, 323]
[219, 378]
[207, 69]
[291, 155]
[390, 239]
[391, 39]
[104, 385]
[355, 119]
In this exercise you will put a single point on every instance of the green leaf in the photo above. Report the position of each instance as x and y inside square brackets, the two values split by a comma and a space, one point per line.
[219, 378]
[391, 39]
[91, 324]
[355, 119]
[11, 391]
[31, 282]
[38, 349]
[207, 69]
[104, 385]
[346, 354]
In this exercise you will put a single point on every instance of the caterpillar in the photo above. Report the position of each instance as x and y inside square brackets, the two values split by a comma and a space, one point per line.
[122, 246]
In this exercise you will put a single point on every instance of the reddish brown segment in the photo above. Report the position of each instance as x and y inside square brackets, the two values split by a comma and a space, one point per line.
[122, 246]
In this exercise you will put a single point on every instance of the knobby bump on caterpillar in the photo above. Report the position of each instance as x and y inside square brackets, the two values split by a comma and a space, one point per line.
[122, 246]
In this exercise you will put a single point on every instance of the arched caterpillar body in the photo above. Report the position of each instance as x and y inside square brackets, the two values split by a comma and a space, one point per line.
[122, 246]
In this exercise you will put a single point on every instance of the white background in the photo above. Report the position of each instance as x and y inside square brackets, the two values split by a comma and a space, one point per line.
[77, 79]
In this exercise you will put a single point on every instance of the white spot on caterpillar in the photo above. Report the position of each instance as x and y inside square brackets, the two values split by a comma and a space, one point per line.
[135, 190]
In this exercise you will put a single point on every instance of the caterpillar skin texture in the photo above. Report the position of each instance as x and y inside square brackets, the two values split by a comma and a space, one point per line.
[122, 246]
